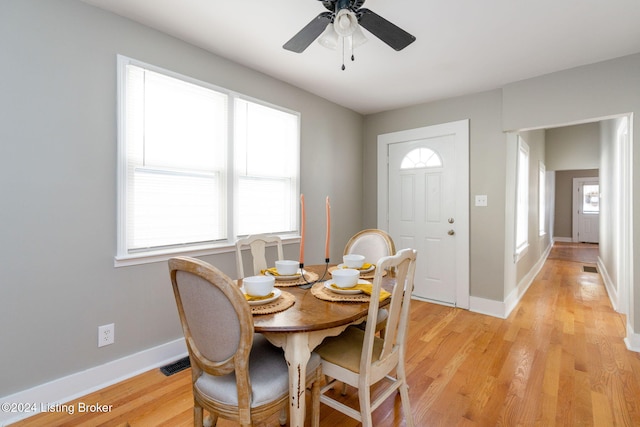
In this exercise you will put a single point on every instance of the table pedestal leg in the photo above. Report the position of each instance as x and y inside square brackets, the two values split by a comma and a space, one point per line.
[297, 354]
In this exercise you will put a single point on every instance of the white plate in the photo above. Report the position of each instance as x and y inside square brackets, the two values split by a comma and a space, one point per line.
[366, 270]
[280, 277]
[276, 294]
[328, 284]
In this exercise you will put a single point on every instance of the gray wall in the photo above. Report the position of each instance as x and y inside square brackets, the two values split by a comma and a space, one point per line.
[487, 176]
[573, 147]
[58, 192]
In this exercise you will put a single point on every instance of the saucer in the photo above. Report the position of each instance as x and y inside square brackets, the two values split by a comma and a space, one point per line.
[283, 277]
[345, 291]
[361, 270]
[276, 294]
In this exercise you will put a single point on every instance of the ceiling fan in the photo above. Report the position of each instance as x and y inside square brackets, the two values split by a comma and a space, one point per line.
[343, 20]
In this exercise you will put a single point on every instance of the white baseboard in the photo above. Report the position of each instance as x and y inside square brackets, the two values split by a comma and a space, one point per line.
[612, 291]
[81, 383]
[563, 239]
[488, 306]
[503, 309]
[633, 339]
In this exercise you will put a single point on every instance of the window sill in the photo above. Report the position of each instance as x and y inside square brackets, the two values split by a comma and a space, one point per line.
[193, 251]
[520, 253]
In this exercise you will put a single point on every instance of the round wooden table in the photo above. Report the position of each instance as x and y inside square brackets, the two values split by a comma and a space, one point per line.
[302, 327]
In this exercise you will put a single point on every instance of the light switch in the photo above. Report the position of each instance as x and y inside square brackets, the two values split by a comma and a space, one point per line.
[481, 200]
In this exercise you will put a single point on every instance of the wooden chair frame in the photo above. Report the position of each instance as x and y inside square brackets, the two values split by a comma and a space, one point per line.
[237, 363]
[373, 358]
[257, 244]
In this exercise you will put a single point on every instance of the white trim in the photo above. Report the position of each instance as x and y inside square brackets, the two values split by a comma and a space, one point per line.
[612, 291]
[633, 339]
[563, 239]
[460, 129]
[488, 306]
[501, 309]
[163, 256]
[81, 383]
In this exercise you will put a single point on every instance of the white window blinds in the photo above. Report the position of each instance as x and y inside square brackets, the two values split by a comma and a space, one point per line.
[199, 165]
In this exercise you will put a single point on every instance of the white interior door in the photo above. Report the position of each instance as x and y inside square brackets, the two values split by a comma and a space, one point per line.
[586, 201]
[427, 206]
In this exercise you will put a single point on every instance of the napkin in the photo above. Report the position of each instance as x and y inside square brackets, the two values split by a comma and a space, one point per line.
[274, 272]
[254, 298]
[366, 288]
[365, 266]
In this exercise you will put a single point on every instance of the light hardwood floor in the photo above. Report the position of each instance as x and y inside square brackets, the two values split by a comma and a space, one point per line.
[558, 359]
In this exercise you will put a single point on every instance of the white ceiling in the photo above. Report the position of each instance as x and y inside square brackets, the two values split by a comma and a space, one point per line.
[462, 46]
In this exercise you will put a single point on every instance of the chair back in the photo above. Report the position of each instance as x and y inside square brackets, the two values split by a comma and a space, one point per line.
[216, 321]
[257, 244]
[380, 353]
[372, 243]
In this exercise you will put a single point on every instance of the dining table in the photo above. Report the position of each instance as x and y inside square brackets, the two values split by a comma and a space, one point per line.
[304, 324]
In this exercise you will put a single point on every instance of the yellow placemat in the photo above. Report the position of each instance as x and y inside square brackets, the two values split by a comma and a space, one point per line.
[311, 277]
[321, 292]
[363, 275]
[285, 301]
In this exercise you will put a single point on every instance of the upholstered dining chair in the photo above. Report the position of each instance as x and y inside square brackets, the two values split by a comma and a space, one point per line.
[257, 243]
[372, 243]
[361, 358]
[236, 374]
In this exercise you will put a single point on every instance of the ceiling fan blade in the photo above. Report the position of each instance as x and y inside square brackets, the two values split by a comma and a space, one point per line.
[309, 33]
[389, 33]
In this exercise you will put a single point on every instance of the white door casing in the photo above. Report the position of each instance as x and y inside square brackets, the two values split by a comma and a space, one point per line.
[427, 208]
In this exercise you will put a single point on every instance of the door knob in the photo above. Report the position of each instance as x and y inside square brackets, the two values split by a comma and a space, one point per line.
[451, 232]
[451, 220]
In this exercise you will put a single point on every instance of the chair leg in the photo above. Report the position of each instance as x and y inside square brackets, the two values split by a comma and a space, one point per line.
[315, 399]
[364, 395]
[197, 415]
[210, 420]
[404, 393]
[406, 405]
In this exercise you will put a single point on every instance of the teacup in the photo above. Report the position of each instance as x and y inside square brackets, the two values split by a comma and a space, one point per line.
[345, 277]
[287, 267]
[353, 260]
[258, 286]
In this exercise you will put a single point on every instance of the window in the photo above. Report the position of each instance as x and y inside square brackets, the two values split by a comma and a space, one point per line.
[421, 158]
[542, 194]
[199, 165]
[522, 199]
[591, 199]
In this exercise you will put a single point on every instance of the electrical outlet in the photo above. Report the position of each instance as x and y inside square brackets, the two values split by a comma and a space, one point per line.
[106, 335]
[481, 200]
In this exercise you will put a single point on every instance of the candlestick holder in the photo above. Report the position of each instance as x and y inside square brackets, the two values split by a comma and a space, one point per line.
[309, 284]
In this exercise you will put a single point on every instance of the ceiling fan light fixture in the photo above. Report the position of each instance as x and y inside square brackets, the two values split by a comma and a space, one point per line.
[358, 38]
[345, 23]
[329, 38]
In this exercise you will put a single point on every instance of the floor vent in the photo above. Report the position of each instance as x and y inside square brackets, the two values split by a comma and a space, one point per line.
[175, 367]
[589, 269]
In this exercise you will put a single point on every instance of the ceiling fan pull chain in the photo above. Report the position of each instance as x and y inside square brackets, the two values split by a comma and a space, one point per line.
[343, 67]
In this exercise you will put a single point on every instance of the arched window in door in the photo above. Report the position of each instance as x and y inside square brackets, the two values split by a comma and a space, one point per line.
[421, 158]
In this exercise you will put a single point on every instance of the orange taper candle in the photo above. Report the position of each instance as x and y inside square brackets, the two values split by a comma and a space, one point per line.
[326, 244]
[302, 216]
